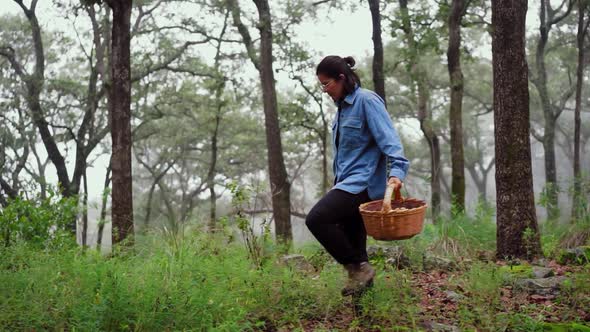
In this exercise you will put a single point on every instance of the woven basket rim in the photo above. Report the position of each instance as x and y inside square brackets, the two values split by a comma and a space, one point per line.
[393, 212]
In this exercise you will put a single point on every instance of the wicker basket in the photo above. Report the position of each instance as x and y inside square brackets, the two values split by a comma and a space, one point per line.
[387, 224]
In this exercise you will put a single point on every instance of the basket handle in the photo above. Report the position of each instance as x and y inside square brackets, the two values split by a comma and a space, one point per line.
[387, 198]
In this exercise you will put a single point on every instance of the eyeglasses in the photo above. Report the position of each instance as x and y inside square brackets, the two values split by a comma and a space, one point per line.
[324, 85]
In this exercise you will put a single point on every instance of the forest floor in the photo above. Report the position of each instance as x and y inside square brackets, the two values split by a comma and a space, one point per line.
[440, 308]
[443, 304]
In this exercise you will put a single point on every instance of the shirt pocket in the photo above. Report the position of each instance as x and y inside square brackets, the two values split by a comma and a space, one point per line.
[351, 132]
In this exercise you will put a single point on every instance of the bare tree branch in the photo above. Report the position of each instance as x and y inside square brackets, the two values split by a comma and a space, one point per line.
[143, 14]
[243, 30]
[8, 52]
[166, 62]
[293, 212]
[317, 3]
[554, 20]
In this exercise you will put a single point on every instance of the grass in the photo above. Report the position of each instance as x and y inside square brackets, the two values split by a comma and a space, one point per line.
[199, 284]
[209, 282]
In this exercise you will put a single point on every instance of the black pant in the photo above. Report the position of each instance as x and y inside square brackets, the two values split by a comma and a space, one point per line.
[336, 223]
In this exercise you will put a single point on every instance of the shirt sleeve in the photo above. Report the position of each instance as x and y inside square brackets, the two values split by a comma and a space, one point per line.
[381, 127]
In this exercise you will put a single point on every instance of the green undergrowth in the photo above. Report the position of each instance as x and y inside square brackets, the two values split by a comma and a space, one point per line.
[203, 283]
[214, 282]
[463, 236]
[198, 284]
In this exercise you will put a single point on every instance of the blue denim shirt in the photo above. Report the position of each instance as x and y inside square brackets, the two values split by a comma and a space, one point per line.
[366, 141]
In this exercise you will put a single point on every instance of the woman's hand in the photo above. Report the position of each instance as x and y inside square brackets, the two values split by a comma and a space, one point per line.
[397, 183]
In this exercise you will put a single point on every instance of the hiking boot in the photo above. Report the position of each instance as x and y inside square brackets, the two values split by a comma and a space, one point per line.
[360, 277]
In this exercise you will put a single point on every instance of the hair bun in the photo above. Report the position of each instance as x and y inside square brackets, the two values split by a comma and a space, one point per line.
[349, 60]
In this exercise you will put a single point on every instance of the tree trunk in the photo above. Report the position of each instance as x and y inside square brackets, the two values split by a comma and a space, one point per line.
[8, 190]
[212, 209]
[435, 168]
[86, 137]
[551, 189]
[103, 209]
[578, 202]
[424, 116]
[211, 173]
[517, 233]
[279, 182]
[455, 118]
[481, 181]
[85, 211]
[148, 207]
[41, 166]
[219, 88]
[325, 183]
[478, 180]
[547, 18]
[378, 77]
[3, 201]
[280, 186]
[120, 117]
[425, 119]
[34, 86]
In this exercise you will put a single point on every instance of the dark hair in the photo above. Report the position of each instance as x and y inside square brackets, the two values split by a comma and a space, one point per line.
[333, 65]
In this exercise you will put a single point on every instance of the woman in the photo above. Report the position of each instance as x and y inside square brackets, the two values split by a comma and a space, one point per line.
[364, 141]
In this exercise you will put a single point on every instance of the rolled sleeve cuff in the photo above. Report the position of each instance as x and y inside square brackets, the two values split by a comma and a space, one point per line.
[398, 173]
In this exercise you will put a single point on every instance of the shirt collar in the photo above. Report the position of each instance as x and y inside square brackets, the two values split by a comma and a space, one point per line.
[349, 99]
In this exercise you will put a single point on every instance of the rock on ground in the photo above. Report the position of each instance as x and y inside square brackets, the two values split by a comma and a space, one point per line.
[542, 272]
[438, 327]
[298, 262]
[431, 262]
[394, 255]
[544, 286]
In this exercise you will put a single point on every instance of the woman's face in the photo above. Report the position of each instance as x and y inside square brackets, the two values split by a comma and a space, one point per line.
[332, 86]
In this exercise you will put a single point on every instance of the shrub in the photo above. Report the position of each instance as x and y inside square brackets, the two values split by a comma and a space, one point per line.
[40, 222]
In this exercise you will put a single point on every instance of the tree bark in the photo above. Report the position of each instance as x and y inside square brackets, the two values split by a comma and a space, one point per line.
[120, 117]
[280, 185]
[103, 209]
[517, 232]
[378, 76]
[455, 118]
[212, 167]
[425, 119]
[577, 202]
[85, 211]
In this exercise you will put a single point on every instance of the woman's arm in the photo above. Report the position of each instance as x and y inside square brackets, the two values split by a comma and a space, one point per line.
[381, 127]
